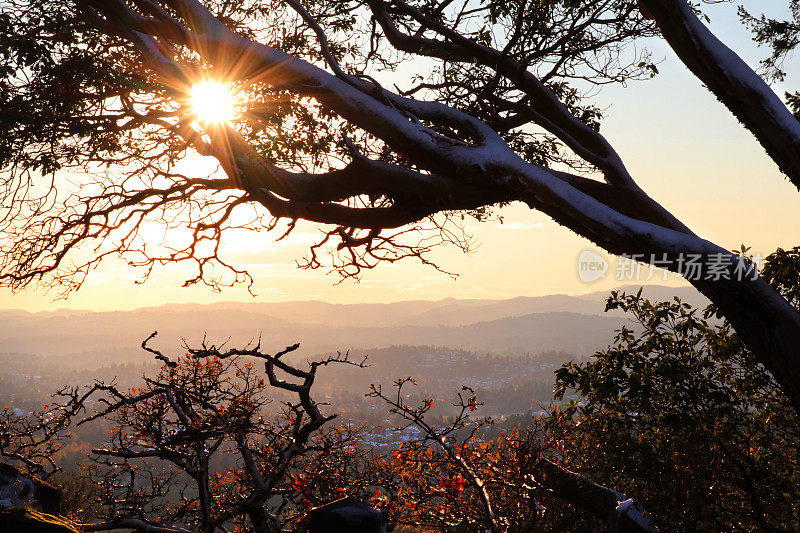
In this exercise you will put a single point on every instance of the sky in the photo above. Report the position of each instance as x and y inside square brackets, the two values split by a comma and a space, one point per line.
[683, 147]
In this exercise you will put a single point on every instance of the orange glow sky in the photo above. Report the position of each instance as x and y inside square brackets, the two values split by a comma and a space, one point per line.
[683, 147]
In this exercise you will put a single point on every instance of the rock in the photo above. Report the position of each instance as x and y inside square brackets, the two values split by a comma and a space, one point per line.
[18, 488]
[347, 514]
[25, 520]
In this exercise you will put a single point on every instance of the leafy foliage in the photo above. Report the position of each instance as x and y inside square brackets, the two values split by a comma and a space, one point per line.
[782, 36]
[782, 271]
[680, 413]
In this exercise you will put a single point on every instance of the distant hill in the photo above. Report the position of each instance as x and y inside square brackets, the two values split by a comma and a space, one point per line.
[575, 324]
[463, 312]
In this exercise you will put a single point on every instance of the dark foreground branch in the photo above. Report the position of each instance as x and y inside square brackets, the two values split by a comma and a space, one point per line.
[623, 514]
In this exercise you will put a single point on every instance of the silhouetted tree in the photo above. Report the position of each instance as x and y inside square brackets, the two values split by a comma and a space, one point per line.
[199, 447]
[104, 88]
[679, 412]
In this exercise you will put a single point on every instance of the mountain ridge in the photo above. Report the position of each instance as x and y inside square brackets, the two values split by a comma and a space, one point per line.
[517, 325]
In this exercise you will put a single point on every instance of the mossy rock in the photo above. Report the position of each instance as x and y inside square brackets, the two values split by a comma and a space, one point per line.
[24, 520]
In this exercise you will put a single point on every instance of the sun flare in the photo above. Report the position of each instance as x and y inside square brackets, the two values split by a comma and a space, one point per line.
[213, 102]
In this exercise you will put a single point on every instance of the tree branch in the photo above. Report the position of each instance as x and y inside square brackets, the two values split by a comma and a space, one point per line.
[733, 82]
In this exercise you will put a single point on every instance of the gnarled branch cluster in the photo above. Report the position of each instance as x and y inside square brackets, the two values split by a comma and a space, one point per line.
[199, 447]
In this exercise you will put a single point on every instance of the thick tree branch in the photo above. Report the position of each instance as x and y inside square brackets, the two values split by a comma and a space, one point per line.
[546, 109]
[622, 514]
[733, 82]
[490, 163]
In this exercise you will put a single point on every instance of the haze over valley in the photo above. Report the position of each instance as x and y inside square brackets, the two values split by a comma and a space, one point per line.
[575, 324]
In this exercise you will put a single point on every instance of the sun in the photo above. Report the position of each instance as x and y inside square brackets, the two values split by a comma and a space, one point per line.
[212, 102]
